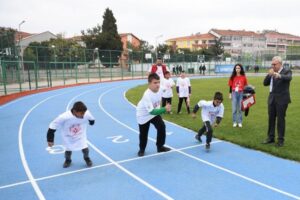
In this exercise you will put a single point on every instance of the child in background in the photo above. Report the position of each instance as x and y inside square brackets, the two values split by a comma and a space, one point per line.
[167, 92]
[183, 87]
[72, 124]
[212, 114]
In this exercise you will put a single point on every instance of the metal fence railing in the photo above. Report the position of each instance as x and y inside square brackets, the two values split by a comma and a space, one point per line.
[48, 67]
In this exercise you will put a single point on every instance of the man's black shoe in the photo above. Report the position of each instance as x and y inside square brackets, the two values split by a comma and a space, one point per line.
[279, 144]
[67, 163]
[268, 141]
[207, 147]
[141, 153]
[198, 137]
[88, 161]
[163, 149]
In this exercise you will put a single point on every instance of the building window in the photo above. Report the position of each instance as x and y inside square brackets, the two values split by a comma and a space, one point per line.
[237, 38]
[226, 38]
[129, 38]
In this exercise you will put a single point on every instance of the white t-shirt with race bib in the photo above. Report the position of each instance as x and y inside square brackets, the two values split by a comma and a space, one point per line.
[73, 129]
[149, 101]
[183, 84]
[167, 85]
[209, 111]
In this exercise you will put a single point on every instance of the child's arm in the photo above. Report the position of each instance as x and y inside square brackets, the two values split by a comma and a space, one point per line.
[90, 117]
[50, 137]
[218, 121]
[158, 111]
[54, 125]
[195, 110]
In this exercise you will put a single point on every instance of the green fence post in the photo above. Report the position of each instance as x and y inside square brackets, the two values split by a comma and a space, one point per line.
[50, 74]
[19, 76]
[36, 75]
[76, 73]
[4, 77]
[142, 67]
[64, 74]
[29, 79]
[87, 73]
[110, 65]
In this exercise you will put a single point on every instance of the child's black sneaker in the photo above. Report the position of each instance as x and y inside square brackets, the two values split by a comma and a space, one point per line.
[141, 153]
[67, 163]
[207, 147]
[88, 161]
[163, 149]
[198, 137]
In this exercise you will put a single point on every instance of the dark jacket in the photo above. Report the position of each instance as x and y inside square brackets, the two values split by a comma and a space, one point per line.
[280, 91]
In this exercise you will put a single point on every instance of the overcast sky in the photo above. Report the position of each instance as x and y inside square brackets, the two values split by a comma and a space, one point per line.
[150, 19]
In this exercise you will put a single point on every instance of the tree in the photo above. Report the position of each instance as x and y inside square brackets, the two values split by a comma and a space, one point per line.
[146, 47]
[59, 50]
[162, 49]
[104, 37]
[217, 49]
[92, 37]
[7, 42]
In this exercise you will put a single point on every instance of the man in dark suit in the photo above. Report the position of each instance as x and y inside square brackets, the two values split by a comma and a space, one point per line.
[278, 79]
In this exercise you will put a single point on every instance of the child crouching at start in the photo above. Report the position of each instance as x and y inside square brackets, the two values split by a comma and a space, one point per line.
[72, 124]
[211, 114]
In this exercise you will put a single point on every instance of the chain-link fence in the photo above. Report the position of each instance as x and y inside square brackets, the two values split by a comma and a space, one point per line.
[40, 67]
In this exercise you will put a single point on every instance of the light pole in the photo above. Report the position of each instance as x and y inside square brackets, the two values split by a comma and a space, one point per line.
[20, 50]
[156, 43]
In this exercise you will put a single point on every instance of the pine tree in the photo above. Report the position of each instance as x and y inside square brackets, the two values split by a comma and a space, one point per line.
[110, 37]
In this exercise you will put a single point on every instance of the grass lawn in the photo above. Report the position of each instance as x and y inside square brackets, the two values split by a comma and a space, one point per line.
[254, 129]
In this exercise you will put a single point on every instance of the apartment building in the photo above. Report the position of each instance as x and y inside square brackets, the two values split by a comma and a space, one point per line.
[193, 42]
[279, 42]
[238, 42]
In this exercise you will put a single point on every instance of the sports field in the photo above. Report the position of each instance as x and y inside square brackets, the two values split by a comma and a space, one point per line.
[255, 125]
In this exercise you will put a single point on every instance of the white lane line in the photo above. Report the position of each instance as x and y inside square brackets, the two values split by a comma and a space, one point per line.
[131, 174]
[69, 103]
[100, 166]
[204, 161]
[31, 96]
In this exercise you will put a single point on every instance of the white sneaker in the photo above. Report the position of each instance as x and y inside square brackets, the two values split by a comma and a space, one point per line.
[240, 125]
[234, 124]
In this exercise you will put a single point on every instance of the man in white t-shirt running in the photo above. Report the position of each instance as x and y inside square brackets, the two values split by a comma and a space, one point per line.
[73, 125]
[212, 114]
[148, 111]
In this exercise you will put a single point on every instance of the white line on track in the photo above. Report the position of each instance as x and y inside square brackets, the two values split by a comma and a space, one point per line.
[198, 159]
[100, 166]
